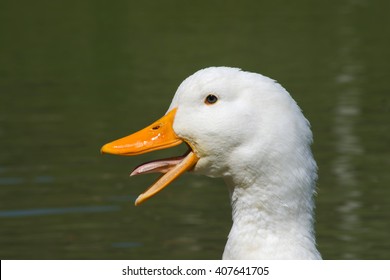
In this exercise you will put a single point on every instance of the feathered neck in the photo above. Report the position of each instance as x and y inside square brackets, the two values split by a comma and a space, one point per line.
[272, 210]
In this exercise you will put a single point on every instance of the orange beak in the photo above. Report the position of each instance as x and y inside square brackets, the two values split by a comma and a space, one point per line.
[159, 135]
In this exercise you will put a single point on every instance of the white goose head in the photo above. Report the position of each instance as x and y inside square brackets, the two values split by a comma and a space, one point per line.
[245, 128]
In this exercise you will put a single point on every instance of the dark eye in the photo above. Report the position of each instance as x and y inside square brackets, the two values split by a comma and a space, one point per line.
[211, 99]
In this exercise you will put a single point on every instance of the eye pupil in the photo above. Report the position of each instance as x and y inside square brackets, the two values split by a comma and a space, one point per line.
[211, 99]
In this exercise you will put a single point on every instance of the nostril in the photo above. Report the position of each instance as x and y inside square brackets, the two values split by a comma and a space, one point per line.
[156, 127]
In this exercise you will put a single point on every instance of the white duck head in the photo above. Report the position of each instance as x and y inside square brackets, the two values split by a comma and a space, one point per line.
[245, 128]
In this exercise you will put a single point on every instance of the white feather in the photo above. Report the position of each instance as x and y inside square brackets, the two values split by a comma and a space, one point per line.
[256, 138]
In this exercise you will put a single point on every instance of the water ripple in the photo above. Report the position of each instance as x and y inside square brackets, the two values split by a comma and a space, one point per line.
[57, 211]
[126, 244]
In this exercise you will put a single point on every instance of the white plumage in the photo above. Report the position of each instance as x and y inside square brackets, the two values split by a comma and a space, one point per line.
[256, 138]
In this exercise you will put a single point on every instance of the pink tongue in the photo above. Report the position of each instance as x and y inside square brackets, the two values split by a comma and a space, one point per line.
[162, 166]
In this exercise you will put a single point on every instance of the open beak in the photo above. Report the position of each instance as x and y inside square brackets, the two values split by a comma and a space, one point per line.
[159, 135]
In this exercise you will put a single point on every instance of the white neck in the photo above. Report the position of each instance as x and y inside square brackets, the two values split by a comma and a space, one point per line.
[272, 215]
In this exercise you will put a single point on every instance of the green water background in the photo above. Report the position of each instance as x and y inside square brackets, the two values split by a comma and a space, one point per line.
[77, 74]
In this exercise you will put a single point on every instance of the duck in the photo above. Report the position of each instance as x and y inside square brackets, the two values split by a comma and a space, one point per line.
[245, 128]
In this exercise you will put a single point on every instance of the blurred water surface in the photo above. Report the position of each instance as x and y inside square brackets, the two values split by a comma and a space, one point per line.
[76, 74]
